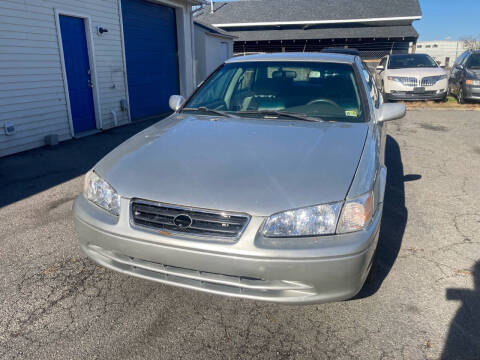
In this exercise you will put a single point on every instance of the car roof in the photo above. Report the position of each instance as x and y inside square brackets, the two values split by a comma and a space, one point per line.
[338, 50]
[415, 54]
[295, 56]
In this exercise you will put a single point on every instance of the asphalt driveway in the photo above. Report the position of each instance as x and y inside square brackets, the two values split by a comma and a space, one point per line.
[425, 304]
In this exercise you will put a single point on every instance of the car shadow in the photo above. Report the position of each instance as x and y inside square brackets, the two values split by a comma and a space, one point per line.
[463, 340]
[30, 172]
[394, 221]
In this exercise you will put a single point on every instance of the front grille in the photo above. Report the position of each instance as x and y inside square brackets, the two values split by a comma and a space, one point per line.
[426, 93]
[408, 81]
[429, 80]
[187, 220]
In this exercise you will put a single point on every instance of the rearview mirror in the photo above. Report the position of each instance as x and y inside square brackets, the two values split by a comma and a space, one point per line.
[175, 102]
[390, 111]
[380, 68]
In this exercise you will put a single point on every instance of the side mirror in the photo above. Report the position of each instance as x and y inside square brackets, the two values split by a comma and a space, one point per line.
[380, 68]
[175, 102]
[390, 111]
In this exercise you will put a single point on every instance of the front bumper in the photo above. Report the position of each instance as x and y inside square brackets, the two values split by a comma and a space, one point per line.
[331, 268]
[411, 96]
[472, 92]
[397, 91]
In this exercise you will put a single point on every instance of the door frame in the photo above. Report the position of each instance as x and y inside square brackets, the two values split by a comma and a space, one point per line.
[93, 73]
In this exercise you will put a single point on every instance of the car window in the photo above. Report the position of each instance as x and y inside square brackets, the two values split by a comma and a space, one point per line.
[325, 90]
[383, 62]
[464, 59]
[372, 89]
[461, 58]
[411, 61]
[215, 88]
[473, 62]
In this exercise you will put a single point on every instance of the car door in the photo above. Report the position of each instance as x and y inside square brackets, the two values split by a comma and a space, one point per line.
[375, 101]
[456, 73]
[460, 76]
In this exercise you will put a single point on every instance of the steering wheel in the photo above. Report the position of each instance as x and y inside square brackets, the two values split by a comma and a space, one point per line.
[327, 101]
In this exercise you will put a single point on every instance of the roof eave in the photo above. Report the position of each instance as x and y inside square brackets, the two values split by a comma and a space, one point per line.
[318, 22]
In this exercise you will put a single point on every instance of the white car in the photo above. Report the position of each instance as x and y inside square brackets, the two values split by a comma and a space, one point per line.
[411, 77]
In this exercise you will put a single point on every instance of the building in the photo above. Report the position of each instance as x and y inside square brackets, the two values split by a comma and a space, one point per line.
[212, 47]
[445, 52]
[70, 68]
[375, 27]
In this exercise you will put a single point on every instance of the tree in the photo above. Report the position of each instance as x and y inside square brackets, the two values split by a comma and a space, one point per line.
[471, 43]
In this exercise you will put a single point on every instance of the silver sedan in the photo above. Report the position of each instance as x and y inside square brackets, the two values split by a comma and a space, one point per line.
[267, 184]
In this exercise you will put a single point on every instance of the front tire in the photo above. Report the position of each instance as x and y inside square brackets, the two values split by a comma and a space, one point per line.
[461, 96]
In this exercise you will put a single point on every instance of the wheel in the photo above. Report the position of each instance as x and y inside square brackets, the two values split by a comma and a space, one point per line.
[461, 96]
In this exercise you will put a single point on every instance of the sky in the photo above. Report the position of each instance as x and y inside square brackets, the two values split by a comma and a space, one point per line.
[452, 19]
[448, 18]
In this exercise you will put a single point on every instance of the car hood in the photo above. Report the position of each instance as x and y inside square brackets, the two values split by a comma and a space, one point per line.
[416, 72]
[473, 73]
[257, 166]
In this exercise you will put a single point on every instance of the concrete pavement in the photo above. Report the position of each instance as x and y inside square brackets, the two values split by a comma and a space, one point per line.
[55, 303]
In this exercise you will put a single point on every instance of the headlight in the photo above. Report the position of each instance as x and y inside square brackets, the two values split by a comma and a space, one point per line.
[101, 193]
[472, 82]
[356, 214]
[396, 78]
[434, 79]
[309, 221]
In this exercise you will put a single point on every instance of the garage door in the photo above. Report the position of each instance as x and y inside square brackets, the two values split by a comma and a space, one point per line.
[151, 54]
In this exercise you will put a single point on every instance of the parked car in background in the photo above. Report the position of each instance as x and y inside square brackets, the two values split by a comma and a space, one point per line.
[411, 77]
[268, 184]
[464, 81]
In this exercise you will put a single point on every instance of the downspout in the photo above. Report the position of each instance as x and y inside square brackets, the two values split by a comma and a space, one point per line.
[115, 118]
[192, 49]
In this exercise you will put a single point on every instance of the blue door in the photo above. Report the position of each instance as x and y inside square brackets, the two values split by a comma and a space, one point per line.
[77, 66]
[151, 54]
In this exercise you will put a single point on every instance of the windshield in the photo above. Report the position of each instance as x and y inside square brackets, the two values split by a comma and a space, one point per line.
[474, 62]
[312, 90]
[411, 61]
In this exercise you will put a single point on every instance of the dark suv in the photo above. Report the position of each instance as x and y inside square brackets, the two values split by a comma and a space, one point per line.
[464, 81]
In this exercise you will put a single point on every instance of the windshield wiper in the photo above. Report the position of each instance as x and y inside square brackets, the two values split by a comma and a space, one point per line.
[205, 109]
[281, 113]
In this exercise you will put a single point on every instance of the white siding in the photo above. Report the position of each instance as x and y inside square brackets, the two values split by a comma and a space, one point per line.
[32, 93]
[210, 52]
[200, 55]
[441, 50]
